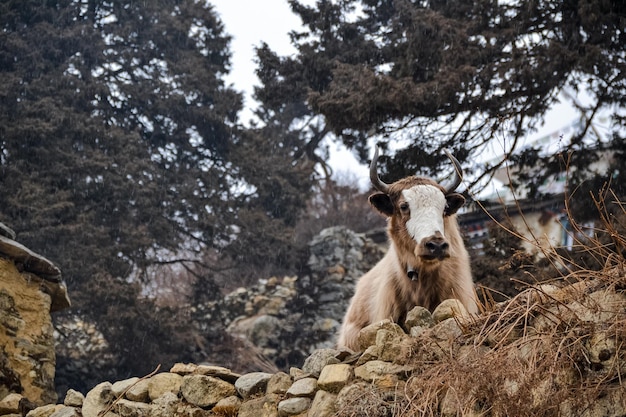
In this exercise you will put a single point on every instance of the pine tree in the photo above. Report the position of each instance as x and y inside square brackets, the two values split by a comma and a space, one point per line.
[120, 151]
[448, 74]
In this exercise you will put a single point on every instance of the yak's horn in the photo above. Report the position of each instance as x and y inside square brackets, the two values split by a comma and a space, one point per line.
[458, 173]
[376, 181]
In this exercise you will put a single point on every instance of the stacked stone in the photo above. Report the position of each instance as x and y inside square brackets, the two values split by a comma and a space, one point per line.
[283, 319]
[395, 360]
[30, 289]
[260, 312]
[82, 353]
[267, 297]
[338, 258]
[80, 340]
[328, 381]
[287, 319]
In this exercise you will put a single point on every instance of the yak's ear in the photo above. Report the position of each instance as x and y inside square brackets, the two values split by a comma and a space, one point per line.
[382, 203]
[454, 201]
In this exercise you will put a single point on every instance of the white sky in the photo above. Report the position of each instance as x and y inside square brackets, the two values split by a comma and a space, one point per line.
[251, 22]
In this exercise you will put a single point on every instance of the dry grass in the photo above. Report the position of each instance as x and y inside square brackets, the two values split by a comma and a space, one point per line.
[366, 400]
[551, 350]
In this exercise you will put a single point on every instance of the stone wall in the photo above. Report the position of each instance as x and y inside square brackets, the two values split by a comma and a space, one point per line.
[30, 288]
[288, 318]
[325, 383]
[278, 322]
[549, 351]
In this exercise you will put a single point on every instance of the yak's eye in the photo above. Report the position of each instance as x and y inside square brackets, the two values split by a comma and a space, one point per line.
[404, 207]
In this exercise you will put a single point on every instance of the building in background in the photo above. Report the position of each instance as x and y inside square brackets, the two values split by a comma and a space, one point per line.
[543, 222]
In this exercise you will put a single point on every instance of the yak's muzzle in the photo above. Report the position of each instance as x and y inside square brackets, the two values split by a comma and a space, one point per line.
[435, 247]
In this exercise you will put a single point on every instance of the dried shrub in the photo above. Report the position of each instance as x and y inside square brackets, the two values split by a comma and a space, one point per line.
[552, 349]
[337, 204]
[369, 400]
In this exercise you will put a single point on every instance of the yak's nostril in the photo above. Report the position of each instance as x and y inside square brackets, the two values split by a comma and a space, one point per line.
[431, 246]
[436, 247]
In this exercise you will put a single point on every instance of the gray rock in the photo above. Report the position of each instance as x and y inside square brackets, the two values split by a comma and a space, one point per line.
[10, 404]
[228, 406]
[252, 383]
[66, 411]
[334, 377]
[214, 371]
[293, 406]
[165, 405]
[120, 387]
[139, 391]
[205, 391]
[258, 407]
[97, 400]
[127, 408]
[31, 261]
[367, 335]
[393, 346]
[418, 316]
[449, 308]
[305, 387]
[264, 330]
[318, 360]
[417, 331]
[446, 330]
[297, 373]
[164, 382]
[184, 368]
[324, 405]
[279, 383]
[74, 398]
[43, 411]
[369, 354]
[373, 370]
[40, 270]
[287, 320]
[355, 396]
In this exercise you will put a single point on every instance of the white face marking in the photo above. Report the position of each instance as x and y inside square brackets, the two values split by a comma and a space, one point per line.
[427, 204]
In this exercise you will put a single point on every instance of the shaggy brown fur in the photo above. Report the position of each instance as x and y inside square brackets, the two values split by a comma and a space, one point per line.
[386, 291]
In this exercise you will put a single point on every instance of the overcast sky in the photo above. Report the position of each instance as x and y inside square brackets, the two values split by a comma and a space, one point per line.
[251, 22]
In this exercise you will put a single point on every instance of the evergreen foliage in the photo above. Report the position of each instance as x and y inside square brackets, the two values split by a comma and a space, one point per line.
[450, 74]
[120, 151]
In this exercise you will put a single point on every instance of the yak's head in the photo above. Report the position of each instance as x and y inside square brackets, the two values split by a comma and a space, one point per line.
[417, 208]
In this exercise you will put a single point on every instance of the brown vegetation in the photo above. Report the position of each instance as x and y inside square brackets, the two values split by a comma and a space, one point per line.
[552, 349]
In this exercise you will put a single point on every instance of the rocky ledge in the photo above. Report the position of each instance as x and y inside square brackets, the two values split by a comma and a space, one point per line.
[551, 350]
[328, 381]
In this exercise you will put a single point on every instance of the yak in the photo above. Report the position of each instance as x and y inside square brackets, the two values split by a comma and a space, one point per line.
[426, 262]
